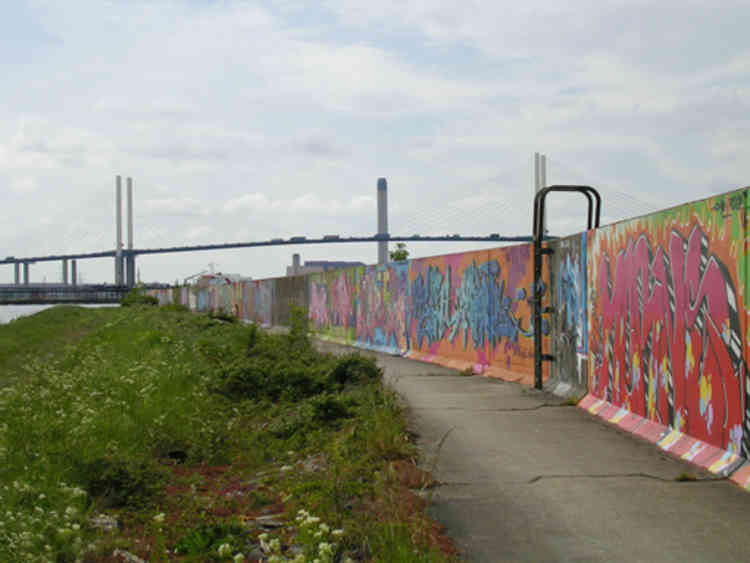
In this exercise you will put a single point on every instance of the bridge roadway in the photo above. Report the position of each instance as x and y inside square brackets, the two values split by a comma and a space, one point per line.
[525, 477]
[48, 294]
[333, 239]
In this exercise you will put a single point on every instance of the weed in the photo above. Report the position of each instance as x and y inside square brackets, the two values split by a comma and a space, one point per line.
[685, 477]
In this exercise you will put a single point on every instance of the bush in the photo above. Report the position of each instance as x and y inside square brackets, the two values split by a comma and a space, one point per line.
[174, 308]
[137, 296]
[222, 315]
[119, 482]
[355, 369]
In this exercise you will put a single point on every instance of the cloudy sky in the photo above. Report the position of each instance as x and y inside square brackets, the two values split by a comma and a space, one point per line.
[252, 120]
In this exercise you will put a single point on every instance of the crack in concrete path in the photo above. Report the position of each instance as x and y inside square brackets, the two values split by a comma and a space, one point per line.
[622, 475]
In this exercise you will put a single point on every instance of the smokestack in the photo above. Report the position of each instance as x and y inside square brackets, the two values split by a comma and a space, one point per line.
[118, 229]
[295, 264]
[382, 220]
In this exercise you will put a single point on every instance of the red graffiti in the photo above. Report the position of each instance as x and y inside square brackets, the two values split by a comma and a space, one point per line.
[669, 342]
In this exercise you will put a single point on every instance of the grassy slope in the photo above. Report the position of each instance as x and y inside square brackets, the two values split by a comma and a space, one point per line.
[186, 429]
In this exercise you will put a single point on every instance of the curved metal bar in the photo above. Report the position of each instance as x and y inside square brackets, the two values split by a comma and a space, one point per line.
[594, 217]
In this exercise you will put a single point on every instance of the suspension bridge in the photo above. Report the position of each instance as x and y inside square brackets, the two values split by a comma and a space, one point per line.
[69, 290]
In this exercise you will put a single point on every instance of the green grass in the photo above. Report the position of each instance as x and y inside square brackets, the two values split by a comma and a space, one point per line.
[141, 411]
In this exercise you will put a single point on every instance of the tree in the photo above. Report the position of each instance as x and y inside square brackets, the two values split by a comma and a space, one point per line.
[400, 254]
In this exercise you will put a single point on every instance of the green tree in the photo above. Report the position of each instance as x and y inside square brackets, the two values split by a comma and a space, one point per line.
[400, 254]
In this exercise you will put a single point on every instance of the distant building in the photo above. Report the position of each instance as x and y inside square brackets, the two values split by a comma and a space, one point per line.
[218, 279]
[312, 266]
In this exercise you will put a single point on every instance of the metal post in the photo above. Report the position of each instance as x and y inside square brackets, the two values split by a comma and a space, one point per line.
[74, 272]
[18, 273]
[25, 273]
[543, 184]
[382, 220]
[118, 230]
[65, 271]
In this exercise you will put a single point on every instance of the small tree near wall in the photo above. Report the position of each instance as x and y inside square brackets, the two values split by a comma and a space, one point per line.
[400, 254]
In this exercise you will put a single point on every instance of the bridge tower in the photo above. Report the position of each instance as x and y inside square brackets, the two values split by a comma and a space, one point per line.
[130, 260]
[118, 230]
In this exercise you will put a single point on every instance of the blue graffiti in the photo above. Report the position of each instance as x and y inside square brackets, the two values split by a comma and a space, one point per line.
[571, 296]
[481, 307]
[431, 304]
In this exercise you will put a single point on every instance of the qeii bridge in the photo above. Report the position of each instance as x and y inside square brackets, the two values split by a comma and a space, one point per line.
[22, 292]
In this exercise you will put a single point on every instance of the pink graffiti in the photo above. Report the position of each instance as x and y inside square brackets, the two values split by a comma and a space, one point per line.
[669, 346]
[318, 311]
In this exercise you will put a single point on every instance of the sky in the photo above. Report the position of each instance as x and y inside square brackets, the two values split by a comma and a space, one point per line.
[244, 121]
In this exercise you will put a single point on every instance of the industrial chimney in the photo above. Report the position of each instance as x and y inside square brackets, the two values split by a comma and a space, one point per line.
[382, 220]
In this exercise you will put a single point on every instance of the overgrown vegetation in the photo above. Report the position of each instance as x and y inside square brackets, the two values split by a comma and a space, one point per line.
[178, 436]
[137, 296]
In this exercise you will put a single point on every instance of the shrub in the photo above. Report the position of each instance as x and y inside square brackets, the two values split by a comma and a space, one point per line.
[356, 369]
[137, 296]
[118, 482]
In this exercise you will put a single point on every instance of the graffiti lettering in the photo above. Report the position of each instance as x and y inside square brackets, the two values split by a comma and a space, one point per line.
[669, 345]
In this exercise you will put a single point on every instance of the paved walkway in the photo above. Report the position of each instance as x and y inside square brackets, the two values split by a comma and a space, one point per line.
[526, 478]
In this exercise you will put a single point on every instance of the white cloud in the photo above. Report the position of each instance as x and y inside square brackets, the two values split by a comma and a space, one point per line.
[175, 206]
[24, 184]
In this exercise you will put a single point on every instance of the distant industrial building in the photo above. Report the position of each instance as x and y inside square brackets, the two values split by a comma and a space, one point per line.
[312, 266]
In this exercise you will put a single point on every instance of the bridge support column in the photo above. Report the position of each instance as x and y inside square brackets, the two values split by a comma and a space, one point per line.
[65, 271]
[25, 273]
[17, 279]
[74, 272]
[130, 270]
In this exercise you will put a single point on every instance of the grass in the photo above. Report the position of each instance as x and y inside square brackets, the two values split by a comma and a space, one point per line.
[185, 429]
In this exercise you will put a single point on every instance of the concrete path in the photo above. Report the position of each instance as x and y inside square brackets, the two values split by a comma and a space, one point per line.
[526, 478]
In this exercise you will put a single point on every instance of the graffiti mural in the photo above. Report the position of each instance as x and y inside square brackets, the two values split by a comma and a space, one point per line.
[474, 306]
[667, 326]
[333, 303]
[381, 306]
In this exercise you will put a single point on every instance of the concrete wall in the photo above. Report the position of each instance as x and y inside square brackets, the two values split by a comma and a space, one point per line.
[465, 310]
[666, 319]
[650, 316]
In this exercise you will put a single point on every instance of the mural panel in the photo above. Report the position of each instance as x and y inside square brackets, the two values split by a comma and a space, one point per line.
[666, 327]
[511, 336]
[262, 301]
[333, 303]
[381, 307]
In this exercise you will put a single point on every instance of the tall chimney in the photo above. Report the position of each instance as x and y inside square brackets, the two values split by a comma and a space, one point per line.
[382, 220]
[118, 229]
